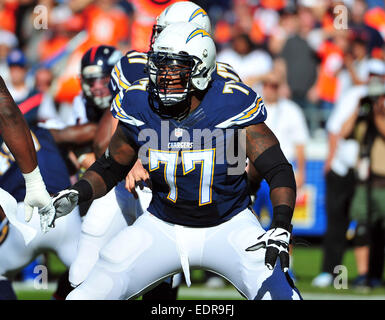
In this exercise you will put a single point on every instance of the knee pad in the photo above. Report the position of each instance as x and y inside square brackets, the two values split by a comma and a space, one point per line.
[135, 240]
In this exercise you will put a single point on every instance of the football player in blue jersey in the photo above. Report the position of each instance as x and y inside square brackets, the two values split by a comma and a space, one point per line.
[99, 227]
[183, 124]
[106, 216]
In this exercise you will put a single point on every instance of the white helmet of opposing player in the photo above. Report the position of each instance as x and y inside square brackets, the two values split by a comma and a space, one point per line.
[182, 60]
[184, 11]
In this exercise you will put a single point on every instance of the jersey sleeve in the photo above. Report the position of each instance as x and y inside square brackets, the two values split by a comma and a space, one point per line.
[131, 124]
[226, 72]
[244, 107]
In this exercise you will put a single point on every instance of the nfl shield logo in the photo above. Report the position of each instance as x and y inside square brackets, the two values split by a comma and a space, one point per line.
[178, 132]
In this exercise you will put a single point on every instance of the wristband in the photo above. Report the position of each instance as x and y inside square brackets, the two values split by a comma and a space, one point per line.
[84, 188]
[34, 179]
[282, 215]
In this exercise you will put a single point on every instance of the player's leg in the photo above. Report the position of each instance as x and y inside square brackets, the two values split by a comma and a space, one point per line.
[6, 290]
[133, 262]
[102, 222]
[13, 253]
[225, 253]
[168, 289]
[131, 209]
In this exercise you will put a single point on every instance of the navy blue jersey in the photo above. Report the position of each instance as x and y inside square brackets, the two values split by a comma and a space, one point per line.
[51, 165]
[189, 160]
[131, 68]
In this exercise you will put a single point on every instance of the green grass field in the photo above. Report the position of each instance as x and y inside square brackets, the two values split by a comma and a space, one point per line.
[306, 262]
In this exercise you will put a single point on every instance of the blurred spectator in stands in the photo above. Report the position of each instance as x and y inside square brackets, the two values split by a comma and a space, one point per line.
[355, 70]
[143, 17]
[360, 28]
[249, 62]
[340, 180]
[286, 28]
[63, 25]
[43, 81]
[298, 64]
[288, 123]
[375, 18]
[106, 23]
[332, 54]
[367, 125]
[7, 15]
[38, 105]
[8, 41]
[17, 85]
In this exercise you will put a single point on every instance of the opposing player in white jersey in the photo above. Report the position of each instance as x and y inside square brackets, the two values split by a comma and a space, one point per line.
[99, 227]
[199, 215]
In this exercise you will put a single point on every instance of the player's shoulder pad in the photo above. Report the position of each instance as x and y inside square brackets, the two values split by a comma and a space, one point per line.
[129, 68]
[240, 105]
[128, 105]
[226, 72]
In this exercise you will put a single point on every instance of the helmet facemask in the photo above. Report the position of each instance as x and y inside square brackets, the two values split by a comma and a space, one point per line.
[171, 82]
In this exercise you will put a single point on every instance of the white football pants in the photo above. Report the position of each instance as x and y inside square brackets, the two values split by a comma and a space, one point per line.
[105, 218]
[142, 255]
[63, 240]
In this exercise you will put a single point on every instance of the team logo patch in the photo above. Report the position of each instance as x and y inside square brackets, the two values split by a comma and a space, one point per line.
[196, 13]
[197, 32]
[178, 132]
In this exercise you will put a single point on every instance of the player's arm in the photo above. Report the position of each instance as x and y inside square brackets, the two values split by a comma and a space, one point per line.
[15, 131]
[264, 152]
[17, 136]
[106, 128]
[75, 135]
[111, 168]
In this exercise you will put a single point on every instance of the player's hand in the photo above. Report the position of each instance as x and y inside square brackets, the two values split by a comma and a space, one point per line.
[276, 242]
[36, 195]
[137, 176]
[64, 202]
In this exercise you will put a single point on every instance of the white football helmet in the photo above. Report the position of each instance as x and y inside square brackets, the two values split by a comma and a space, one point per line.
[184, 11]
[182, 60]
